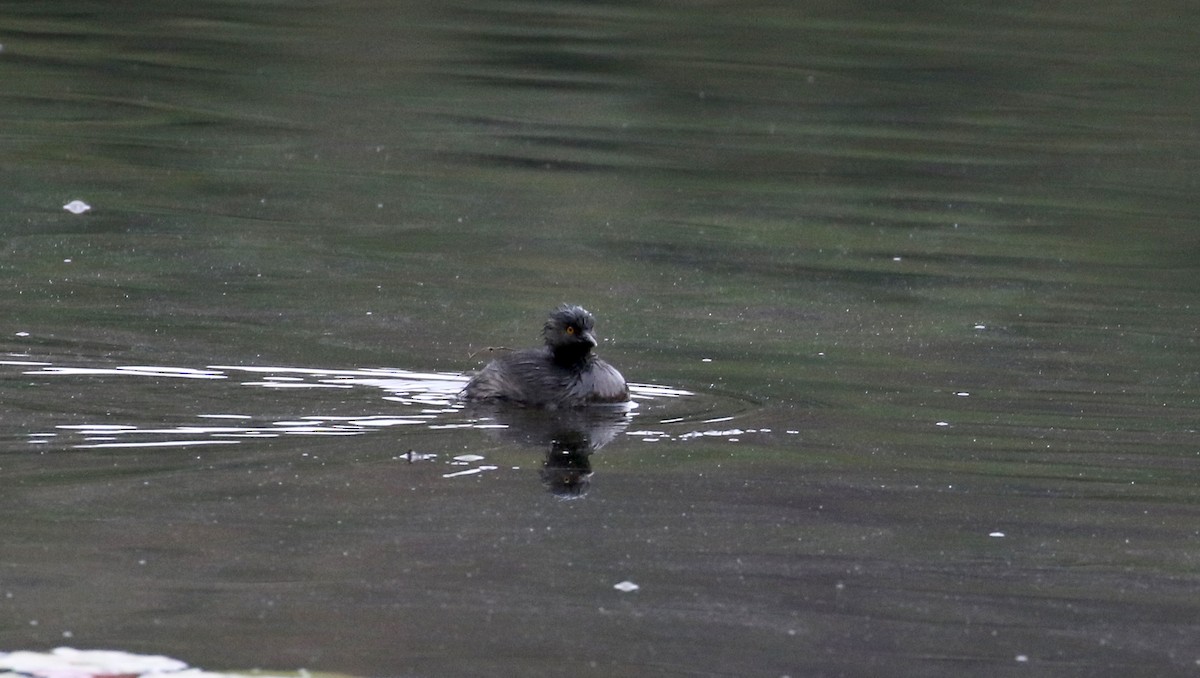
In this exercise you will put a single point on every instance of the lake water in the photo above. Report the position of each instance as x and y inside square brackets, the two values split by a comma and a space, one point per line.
[911, 298]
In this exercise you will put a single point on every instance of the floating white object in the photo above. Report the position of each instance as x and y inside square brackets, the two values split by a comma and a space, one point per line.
[995, 534]
[66, 662]
[77, 207]
[626, 586]
[72, 662]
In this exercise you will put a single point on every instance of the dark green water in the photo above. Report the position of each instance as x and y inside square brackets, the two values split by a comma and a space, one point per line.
[928, 276]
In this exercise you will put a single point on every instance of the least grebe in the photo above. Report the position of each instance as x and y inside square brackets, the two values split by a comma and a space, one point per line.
[563, 373]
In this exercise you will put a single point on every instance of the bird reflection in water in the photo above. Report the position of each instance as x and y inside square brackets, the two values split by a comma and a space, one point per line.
[568, 437]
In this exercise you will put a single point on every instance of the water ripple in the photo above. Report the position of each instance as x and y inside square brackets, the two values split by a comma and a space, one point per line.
[424, 399]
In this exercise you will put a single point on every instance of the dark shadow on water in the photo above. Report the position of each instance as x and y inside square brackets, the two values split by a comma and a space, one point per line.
[567, 437]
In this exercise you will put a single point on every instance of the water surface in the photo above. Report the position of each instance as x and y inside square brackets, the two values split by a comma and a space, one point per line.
[910, 295]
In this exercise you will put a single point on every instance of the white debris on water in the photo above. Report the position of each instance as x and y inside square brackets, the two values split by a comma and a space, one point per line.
[66, 661]
[77, 207]
[626, 586]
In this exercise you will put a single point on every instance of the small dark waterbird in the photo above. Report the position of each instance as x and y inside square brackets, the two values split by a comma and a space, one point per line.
[563, 373]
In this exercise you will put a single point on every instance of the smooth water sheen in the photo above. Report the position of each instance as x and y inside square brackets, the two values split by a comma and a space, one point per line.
[909, 294]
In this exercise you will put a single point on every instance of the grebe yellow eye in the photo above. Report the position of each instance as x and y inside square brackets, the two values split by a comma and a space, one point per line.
[570, 329]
